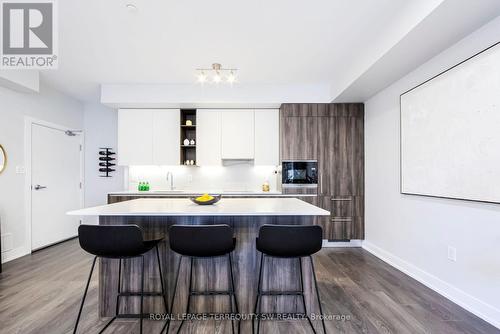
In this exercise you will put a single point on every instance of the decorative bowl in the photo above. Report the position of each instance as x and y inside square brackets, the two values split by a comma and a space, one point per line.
[215, 199]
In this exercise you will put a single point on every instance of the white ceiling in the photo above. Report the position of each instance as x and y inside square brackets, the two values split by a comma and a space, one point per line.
[327, 43]
[446, 25]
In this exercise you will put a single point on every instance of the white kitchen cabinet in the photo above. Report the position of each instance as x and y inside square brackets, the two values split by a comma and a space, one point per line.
[267, 136]
[148, 137]
[237, 134]
[135, 142]
[166, 137]
[208, 137]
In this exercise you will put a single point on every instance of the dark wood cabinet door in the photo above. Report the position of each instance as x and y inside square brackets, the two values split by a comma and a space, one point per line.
[323, 221]
[299, 110]
[334, 135]
[342, 216]
[340, 155]
[299, 138]
[326, 144]
[326, 221]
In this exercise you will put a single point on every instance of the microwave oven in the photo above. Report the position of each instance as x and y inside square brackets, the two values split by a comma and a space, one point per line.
[299, 173]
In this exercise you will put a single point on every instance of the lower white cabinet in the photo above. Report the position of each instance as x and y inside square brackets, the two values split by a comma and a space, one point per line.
[148, 137]
[238, 134]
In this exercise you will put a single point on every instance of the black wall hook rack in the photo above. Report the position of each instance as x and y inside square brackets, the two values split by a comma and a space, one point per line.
[106, 161]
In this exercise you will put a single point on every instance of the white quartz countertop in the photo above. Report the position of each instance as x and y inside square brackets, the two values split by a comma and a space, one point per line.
[196, 192]
[225, 207]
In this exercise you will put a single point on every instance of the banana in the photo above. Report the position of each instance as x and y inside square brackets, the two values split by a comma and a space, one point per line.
[204, 198]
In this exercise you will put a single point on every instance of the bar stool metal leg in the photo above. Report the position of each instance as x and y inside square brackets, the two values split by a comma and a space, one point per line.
[161, 280]
[119, 287]
[141, 313]
[84, 295]
[233, 293]
[258, 301]
[189, 295]
[317, 294]
[303, 297]
[230, 292]
[173, 295]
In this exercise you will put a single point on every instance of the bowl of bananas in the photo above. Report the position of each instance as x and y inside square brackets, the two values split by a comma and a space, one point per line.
[206, 199]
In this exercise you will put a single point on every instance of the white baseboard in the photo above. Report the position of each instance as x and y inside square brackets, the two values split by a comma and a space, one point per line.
[14, 254]
[468, 302]
[351, 243]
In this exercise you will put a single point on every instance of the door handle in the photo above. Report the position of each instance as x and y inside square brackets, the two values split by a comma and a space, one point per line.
[39, 187]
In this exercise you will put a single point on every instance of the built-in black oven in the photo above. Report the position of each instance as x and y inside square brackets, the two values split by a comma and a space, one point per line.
[299, 173]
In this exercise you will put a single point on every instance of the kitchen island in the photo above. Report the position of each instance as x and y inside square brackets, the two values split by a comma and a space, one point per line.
[244, 215]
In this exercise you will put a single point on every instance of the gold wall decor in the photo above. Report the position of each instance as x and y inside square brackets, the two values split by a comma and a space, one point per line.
[3, 159]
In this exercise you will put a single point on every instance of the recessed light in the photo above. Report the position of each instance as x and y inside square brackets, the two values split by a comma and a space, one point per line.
[131, 6]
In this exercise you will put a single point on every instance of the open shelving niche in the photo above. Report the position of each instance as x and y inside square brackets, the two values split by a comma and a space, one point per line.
[188, 152]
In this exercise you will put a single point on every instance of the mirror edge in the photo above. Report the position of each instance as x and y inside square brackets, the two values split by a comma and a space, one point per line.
[2, 151]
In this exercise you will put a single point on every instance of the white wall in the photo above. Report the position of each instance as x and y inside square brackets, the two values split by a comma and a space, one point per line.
[241, 177]
[414, 232]
[100, 126]
[209, 96]
[48, 105]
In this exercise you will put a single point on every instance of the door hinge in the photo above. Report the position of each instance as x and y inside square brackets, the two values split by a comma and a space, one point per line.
[80, 185]
[80, 147]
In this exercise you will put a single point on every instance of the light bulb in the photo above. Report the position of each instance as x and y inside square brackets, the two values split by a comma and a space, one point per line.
[231, 78]
[202, 77]
[217, 78]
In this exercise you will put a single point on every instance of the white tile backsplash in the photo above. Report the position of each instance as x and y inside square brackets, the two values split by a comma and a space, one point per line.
[237, 177]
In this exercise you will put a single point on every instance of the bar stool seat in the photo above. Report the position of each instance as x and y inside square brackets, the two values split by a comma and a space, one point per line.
[288, 241]
[119, 242]
[204, 241]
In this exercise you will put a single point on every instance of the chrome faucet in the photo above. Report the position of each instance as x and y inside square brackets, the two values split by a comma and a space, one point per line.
[170, 176]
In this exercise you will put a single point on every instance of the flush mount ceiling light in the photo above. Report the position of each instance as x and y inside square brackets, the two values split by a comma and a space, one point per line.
[131, 7]
[216, 74]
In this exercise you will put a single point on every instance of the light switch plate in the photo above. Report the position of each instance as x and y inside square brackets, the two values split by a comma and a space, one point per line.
[452, 254]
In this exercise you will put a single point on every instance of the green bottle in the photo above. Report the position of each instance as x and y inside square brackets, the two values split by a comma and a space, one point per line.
[140, 187]
[147, 186]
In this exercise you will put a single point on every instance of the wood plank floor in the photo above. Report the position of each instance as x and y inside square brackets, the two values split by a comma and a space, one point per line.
[41, 293]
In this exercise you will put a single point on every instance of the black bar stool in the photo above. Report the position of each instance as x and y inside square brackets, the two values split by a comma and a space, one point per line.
[204, 241]
[288, 241]
[119, 242]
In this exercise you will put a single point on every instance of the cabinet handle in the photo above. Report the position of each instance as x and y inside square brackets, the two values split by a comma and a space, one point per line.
[338, 199]
[341, 220]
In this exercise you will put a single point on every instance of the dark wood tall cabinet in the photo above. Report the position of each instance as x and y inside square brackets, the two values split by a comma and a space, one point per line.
[298, 134]
[334, 135]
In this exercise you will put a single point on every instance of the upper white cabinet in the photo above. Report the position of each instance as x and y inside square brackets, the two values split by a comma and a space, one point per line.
[208, 137]
[148, 137]
[267, 139]
[135, 143]
[237, 134]
[166, 137]
[152, 136]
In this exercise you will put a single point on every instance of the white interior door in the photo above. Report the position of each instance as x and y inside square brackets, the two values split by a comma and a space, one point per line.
[55, 185]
